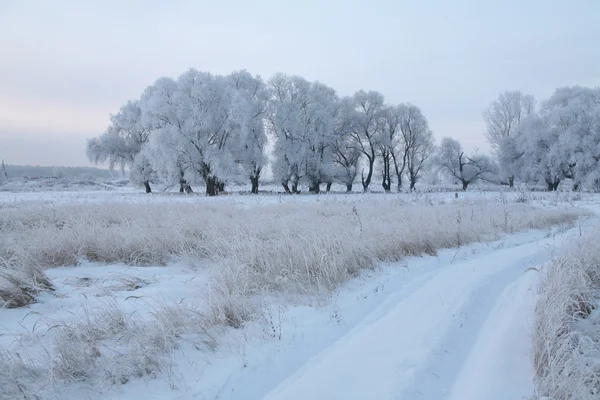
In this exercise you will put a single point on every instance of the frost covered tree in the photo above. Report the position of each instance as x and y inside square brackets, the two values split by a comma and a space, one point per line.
[164, 150]
[163, 153]
[320, 124]
[289, 96]
[304, 117]
[192, 114]
[510, 158]
[539, 159]
[467, 169]
[417, 144]
[249, 110]
[346, 159]
[122, 144]
[367, 127]
[560, 142]
[388, 143]
[572, 117]
[502, 118]
[345, 154]
[142, 170]
[503, 115]
[405, 144]
[210, 126]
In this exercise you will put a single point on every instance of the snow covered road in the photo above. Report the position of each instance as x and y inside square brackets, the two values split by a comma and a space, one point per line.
[456, 326]
[461, 334]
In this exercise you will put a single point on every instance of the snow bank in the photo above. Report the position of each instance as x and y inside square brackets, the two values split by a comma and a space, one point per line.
[566, 340]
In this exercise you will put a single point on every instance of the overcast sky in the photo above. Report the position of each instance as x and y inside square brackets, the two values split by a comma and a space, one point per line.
[66, 65]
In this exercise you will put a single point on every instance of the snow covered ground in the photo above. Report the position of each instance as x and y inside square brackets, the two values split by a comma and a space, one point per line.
[460, 331]
[452, 326]
[115, 191]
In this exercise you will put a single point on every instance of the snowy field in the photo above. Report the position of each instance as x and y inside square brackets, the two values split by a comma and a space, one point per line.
[115, 294]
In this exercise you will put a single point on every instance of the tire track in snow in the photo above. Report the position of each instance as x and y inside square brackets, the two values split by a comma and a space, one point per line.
[395, 355]
[503, 345]
[436, 380]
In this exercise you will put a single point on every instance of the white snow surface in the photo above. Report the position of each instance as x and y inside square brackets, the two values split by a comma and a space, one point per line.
[454, 326]
[459, 334]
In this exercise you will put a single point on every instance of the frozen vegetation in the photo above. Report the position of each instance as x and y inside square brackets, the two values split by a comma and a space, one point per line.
[336, 228]
[566, 348]
[100, 294]
[260, 291]
[221, 129]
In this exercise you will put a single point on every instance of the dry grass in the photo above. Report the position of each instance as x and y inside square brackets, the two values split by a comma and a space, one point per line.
[567, 331]
[19, 286]
[104, 347]
[304, 250]
[309, 246]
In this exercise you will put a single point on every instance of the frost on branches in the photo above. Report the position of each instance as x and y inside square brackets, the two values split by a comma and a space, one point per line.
[197, 126]
[216, 129]
[560, 141]
[466, 168]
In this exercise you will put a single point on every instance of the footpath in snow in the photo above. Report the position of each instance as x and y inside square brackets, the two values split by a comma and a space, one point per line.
[456, 326]
[463, 334]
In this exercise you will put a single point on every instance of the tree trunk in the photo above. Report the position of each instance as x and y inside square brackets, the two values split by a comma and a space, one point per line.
[555, 185]
[367, 182]
[254, 182]
[413, 183]
[465, 184]
[387, 185]
[286, 187]
[328, 187]
[348, 187]
[212, 186]
[314, 187]
[147, 186]
[399, 171]
[185, 187]
[511, 182]
[295, 187]
[386, 182]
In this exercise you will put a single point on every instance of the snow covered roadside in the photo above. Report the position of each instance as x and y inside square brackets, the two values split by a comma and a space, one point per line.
[416, 348]
[499, 363]
[399, 333]
[566, 349]
[115, 324]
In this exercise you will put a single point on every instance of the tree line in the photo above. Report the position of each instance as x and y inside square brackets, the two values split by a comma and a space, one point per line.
[548, 144]
[217, 128]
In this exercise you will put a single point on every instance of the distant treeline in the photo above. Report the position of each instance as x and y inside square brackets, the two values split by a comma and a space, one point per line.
[34, 171]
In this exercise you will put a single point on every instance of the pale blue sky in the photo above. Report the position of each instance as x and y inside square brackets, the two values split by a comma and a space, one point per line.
[65, 65]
